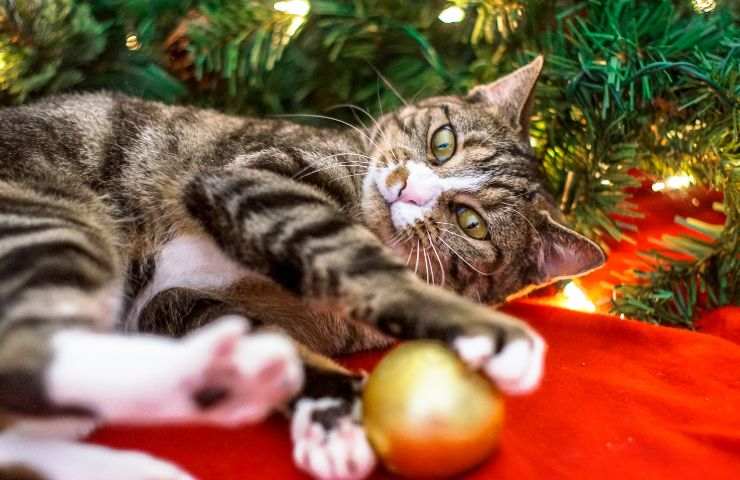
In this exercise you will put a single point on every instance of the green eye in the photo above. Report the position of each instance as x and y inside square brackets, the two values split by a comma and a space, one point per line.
[471, 223]
[444, 144]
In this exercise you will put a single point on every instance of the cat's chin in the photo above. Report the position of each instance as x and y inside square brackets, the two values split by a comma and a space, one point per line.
[405, 215]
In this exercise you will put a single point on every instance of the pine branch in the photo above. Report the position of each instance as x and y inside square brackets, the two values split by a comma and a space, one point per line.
[673, 292]
[52, 46]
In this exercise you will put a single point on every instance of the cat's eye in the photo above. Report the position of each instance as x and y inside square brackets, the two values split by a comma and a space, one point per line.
[471, 223]
[444, 144]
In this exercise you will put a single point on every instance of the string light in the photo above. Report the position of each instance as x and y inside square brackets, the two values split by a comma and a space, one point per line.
[704, 6]
[576, 299]
[453, 14]
[293, 7]
[299, 9]
[132, 42]
[674, 182]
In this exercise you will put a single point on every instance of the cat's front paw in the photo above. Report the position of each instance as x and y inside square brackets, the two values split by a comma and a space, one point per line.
[329, 443]
[511, 356]
[242, 378]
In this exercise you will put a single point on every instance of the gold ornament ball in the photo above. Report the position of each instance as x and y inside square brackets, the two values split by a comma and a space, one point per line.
[427, 415]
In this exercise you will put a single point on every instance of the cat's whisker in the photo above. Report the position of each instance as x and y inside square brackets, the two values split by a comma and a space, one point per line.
[453, 233]
[426, 266]
[390, 86]
[408, 259]
[431, 268]
[416, 266]
[357, 108]
[329, 167]
[308, 167]
[400, 238]
[383, 133]
[326, 117]
[512, 208]
[463, 258]
[352, 109]
[376, 124]
[360, 174]
[439, 260]
[397, 237]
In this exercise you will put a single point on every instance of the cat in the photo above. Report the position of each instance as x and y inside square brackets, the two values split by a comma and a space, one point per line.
[139, 241]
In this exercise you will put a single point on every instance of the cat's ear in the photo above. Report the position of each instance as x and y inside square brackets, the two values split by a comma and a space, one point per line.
[513, 95]
[564, 252]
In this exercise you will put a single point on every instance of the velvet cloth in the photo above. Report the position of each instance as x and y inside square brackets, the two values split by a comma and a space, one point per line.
[620, 399]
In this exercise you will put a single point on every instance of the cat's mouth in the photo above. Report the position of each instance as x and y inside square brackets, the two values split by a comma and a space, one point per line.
[410, 190]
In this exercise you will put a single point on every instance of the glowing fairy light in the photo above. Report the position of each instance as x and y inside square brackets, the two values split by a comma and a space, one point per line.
[678, 181]
[704, 6]
[299, 9]
[295, 24]
[293, 7]
[453, 14]
[576, 299]
[132, 42]
[674, 182]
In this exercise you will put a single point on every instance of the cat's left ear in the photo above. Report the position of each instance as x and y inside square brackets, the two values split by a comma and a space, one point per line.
[512, 96]
[564, 252]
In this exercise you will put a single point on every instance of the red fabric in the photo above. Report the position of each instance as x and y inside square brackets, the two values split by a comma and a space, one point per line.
[620, 399]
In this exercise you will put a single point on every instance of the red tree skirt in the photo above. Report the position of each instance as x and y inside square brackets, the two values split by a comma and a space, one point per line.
[620, 399]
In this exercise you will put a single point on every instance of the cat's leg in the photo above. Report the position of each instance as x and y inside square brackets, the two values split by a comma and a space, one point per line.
[271, 363]
[328, 439]
[59, 287]
[28, 458]
[59, 272]
[297, 233]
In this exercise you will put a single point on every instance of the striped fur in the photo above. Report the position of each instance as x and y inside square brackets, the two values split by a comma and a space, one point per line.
[94, 187]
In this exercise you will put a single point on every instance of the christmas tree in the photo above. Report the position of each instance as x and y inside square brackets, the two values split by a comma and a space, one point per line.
[649, 86]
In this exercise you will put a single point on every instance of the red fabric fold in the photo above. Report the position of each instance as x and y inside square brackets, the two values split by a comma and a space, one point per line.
[621, 399]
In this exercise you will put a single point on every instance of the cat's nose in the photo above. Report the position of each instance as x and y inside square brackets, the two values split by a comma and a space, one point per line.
[417, 193]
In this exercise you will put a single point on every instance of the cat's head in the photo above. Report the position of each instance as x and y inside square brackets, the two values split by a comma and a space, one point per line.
[454, 188]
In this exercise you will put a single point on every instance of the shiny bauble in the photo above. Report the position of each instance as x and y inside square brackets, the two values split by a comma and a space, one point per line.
[427, 415]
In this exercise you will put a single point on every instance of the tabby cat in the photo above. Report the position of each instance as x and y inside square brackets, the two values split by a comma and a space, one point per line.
[186, 226]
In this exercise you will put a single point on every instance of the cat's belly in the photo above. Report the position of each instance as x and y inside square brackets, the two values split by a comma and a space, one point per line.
[196, 262]
[187, 261]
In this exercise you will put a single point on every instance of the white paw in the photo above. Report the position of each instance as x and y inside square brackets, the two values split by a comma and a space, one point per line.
[258, 373]
[60, 460]
[241, 379]
[517, 369]
[216, 374]
[340, 453]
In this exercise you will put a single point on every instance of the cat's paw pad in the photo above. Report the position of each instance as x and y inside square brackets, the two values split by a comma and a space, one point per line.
[516, 369]
[244, 377]
[328, 443]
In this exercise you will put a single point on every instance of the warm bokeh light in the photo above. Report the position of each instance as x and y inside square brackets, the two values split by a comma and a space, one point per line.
[678, 181]
[132, 42]
[453, 14]
[674, 182]
[704, 6]
[294, 7]
[576, 299]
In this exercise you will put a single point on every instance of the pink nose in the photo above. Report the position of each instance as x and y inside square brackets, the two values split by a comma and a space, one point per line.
[416, 194]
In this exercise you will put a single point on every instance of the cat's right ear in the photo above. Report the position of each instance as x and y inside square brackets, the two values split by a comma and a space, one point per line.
[511, 96]
[564, 253]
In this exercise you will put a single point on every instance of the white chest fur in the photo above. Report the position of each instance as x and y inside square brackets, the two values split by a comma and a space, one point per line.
[190, 261]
